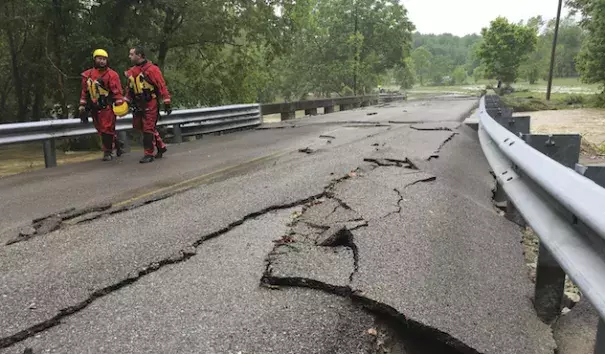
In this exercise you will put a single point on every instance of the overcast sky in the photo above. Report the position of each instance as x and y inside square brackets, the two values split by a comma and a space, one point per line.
[462, 17]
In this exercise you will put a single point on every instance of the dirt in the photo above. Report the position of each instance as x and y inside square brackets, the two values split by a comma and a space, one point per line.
[15, 159]
[590, 123]
[531, 244]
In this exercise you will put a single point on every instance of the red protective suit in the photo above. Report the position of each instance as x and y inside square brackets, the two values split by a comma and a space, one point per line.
[101, 88]
[145, 85]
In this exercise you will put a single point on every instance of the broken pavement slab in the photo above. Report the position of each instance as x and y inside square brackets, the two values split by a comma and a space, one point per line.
[407, 145]
[356, 194]
[330, 212]
[399, 178]
[213, 304]
[297, 264]
[459, 274]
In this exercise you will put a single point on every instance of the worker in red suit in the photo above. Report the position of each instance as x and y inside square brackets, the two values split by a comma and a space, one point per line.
[145, 87]
[102, 98]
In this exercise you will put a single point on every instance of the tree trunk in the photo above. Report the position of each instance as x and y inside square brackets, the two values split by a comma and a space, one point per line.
[171, 23]
[18, 82]
[162, 53]
[38, 105]
[60, 95]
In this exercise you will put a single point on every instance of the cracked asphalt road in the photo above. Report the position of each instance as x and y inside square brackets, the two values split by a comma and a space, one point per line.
[183, 274]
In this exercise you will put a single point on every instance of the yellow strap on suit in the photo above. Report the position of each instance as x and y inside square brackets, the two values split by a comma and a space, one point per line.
[95, 89]
[138, 84]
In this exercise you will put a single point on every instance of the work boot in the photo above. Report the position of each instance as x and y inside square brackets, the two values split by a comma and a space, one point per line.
[146, 159]
[161, 152]
[107, 156]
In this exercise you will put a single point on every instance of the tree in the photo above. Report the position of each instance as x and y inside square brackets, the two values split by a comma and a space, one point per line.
[505, 46]
[421, 58]
[344, 43]
[405, 75]
[211, 51]
[459, 76]
[441, 68]
[591, 59]
[478, 73]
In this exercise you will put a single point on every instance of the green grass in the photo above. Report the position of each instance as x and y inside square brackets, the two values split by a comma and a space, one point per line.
[567, 93]
[560, 85]
[531, 101]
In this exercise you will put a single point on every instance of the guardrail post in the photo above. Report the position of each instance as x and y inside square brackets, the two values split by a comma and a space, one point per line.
[177, 133]
[563, 148]
[499, 196]
[50, 153]
[356, 104]
[288, 115]
[550, 285]
[515, 125]
[513, 214]
[344, 107]
[328, 109]
[123, 137]
[311, 112]
[597, 175]
[550, 278]
[594, 173]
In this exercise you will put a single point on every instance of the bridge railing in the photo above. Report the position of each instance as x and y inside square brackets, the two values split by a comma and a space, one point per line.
[538, 186]
[180, 123]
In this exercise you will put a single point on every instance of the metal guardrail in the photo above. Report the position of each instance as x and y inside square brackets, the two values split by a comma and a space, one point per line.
[564, 208]
[288, 109]
[61, 128]
[181, 123]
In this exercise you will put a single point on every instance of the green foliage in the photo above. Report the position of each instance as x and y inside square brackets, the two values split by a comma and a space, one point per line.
[459, 76]
[533, 101]
[569, 43]
[212, 51]
[405, 74]
[422, 58]
[346, 43]
[479, 73]
[505, 45]
[441, 69]
[591, 60]
[436, 56]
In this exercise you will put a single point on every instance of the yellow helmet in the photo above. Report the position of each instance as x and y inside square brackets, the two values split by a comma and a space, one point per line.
[100, 53]
[120, 110]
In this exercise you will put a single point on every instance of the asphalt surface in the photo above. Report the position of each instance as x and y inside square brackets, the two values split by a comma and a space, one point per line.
[575, 332]
[354, 246]
[37, 194]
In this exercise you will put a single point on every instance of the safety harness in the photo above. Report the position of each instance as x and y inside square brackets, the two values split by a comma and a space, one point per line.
[142, 87]
[98, 95]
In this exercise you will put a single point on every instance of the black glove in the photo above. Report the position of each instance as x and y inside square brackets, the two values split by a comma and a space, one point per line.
[167, 108]
[83, 115]
[133, 107]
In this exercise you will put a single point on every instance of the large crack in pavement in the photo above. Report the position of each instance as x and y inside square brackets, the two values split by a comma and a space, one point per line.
[88, 214]
[73, 216]
[435, 154]
[329, 246]
[180, 256]
[335, 240]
